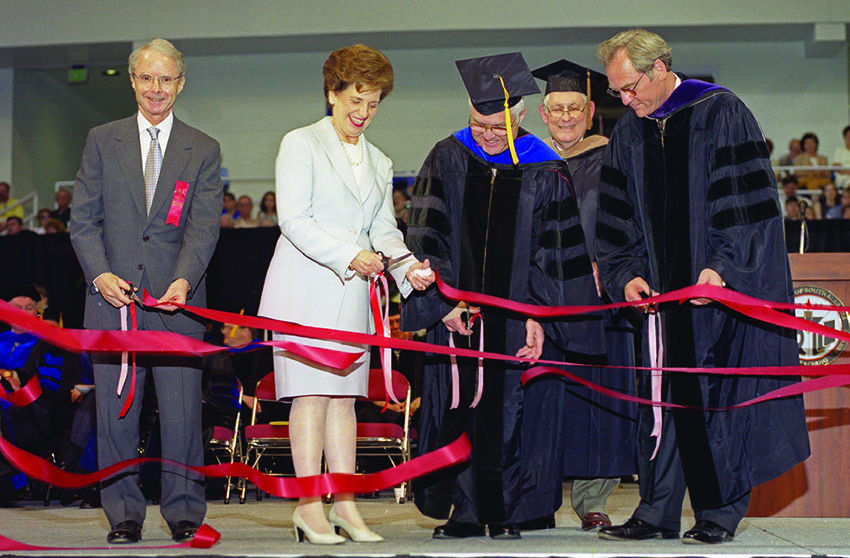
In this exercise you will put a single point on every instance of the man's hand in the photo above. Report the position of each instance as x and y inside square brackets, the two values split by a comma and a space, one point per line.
[534, 338]
[114, 290]
[454, 320]
[707, 277]
[633, 291]
[76, 395]
[420, 280]
[250, 401]
[177, 292]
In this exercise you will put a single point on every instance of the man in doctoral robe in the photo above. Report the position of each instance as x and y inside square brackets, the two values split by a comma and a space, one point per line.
[688, 197]
[493, 207]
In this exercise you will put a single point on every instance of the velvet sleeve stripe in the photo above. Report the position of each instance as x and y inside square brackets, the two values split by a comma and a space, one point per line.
[573, 236]
[560, 210]
[569, 269]
[429, 186]
[737, 154]
[609, 235]
[735, 185]
[614, 207]
[430, 218]
[612, 176]
[750, 214]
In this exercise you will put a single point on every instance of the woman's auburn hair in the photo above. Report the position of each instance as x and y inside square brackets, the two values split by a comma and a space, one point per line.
[364, 66]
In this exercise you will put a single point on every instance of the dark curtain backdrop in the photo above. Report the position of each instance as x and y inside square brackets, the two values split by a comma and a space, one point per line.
[238, 267]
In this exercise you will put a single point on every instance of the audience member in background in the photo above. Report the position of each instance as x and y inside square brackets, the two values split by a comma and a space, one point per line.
[267, 216]
[55, 226]
[15, 225]
[5, 201]
[245, 208]
[63, 206]
[845, 201]
[842, 159]
[229, 214]
[789, 189]
[38, 427]
[792, 208]
[42, 217]
[401, 205]
[829, 204]
[794, 149]
[810, 158]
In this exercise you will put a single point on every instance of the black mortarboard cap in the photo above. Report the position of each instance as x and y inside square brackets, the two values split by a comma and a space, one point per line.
[21, 290]
[564, 75]
[481, 78]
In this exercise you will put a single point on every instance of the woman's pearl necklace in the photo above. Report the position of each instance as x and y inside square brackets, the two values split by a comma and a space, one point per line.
[348, 154]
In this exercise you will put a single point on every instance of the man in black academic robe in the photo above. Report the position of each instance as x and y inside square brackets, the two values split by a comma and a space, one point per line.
[498, 219]
[688, 197]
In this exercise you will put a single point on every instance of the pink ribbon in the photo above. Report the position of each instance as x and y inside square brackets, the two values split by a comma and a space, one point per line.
[177, 202]
[479, 387]
[656, 361]
[382, 327]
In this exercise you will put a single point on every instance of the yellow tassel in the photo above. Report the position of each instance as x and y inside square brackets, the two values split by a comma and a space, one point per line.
[508, 126]
[235, 327]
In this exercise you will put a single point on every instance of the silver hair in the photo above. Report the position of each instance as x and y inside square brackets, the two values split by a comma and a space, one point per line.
[515, 110]
[163, 47]
[545, 101]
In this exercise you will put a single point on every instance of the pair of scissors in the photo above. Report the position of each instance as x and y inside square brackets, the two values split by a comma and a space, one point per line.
[390, 262]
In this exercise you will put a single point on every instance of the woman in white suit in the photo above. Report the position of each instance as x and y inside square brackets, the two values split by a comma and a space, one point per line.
[335, 211]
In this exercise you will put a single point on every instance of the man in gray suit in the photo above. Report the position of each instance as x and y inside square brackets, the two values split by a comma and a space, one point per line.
[147, 201]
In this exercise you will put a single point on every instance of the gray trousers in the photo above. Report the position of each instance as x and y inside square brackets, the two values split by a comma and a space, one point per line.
[178, 391]
[591, 495]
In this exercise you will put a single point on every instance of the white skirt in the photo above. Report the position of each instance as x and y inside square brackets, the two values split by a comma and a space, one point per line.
[295, 376]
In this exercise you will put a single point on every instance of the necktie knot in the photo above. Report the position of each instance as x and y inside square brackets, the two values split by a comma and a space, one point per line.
[154, 132]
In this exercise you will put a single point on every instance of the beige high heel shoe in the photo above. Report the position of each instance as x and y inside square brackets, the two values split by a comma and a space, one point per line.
[356, 535]
[303, 530]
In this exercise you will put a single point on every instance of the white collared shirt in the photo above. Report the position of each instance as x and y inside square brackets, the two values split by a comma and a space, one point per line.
[145, 138]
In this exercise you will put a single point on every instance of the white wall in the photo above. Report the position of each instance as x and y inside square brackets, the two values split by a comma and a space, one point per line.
[248, 102]
[6, 76]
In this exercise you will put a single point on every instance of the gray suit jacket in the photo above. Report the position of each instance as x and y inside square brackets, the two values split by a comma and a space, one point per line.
[111, 231]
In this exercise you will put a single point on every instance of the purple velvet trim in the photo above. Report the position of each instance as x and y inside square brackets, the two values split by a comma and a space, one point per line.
[688, 91]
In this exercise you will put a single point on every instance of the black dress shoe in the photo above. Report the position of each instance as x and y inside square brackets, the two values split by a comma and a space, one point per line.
[706, 532]
[538, 524]
[458, 530]
[183, 531]
[636, 530]
[503, 531]
[126, 532]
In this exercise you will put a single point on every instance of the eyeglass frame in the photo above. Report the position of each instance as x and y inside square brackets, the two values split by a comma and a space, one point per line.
[629, 90]
[170, 80]
[497, 130]
[572, 113]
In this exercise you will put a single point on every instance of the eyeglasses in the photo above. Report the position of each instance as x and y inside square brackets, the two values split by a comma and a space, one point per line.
[164, 81]
[628, 90]
[480, 128]
[562, 113]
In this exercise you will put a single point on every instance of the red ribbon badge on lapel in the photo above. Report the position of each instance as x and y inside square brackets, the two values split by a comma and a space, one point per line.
[177, 201]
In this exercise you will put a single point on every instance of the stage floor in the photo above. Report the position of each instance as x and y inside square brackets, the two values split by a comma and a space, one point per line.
[264, 529]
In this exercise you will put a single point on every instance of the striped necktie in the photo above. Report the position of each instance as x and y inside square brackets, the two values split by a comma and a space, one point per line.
[153, 163]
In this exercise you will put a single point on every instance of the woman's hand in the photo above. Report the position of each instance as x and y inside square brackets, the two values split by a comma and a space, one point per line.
[420, 275]
[367, 263]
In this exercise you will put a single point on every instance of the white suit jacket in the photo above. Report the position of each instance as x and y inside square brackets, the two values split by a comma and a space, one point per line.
[324, 224]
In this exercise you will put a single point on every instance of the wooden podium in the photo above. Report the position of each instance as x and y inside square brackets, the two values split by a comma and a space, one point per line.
[820, 486]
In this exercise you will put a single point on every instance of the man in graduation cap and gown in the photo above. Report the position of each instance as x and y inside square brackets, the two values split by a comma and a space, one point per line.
[600, 445]
[494, 210]
[688, 197]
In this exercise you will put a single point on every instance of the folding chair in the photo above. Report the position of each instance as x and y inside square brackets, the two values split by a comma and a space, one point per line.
[264, 440]
[386, 438]
[226, 444]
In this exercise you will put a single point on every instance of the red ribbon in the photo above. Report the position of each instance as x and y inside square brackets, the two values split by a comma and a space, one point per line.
[291, 487]
[24, 396]
[205, 537]
[178, 200]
